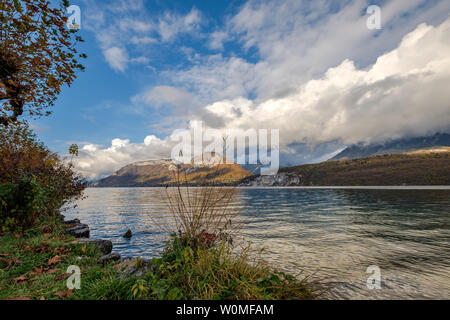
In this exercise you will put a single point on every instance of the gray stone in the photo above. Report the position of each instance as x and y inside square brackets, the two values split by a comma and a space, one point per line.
[105, 246]
[109, 258]
[80, 230]
[74, 221]
[136, 266]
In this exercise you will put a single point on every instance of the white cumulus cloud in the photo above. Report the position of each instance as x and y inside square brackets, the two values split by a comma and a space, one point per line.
[96, 161]
[405, 93]
[117, 58]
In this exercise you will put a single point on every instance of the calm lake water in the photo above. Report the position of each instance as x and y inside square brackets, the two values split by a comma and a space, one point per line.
[332, 234]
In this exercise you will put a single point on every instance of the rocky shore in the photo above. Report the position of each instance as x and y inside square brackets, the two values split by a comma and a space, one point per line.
[129, 266]
[81, 231]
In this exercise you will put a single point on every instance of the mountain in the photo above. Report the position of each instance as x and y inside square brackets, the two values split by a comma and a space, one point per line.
[394, 147]
[417, 168]
[163, 172]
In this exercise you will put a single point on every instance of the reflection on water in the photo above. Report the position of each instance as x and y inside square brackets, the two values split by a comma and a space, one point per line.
[334, 234]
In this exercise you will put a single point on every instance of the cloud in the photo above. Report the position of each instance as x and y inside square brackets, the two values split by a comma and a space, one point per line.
[404, 93]
[126, 5]
[95, 161]
[217, 77]
[166, 95]
[125, 28]
[117, 58]
[140, 60]
[144, 40]
[217, 39]
[171, 24]
[294, 41]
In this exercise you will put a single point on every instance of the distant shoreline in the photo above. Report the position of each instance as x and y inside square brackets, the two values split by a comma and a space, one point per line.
[424, 187]
[443, 187]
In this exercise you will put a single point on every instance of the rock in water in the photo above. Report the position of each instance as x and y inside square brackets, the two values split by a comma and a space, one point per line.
[128, 234]
[105, 246]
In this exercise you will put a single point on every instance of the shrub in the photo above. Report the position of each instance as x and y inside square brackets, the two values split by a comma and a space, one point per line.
[21, 203]
[34, 181]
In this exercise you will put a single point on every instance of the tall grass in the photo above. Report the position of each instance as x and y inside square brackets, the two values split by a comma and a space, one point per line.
[201, 215]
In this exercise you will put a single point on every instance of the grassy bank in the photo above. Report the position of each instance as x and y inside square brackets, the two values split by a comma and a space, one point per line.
[33, 265]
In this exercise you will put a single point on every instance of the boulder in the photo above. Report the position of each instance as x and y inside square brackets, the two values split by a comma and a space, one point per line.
[128, 234]
[74, 221]
[79, 230]
[105, 246]
[109, 258]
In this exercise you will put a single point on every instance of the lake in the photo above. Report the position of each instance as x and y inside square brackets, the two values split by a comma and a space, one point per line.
[331, 234]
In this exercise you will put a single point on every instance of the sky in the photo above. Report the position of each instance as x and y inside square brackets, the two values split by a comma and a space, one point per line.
[311, 69]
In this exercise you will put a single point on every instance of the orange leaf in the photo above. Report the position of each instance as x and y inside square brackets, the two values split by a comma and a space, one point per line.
[61, 250]
[51, 271]
[64, 294]
[56, 259]
[37, 270]
[62, 276]
[11, 261]
[22, 278]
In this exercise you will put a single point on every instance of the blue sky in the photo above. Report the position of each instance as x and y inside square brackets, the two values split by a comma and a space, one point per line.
[97, 108]
[311, 69]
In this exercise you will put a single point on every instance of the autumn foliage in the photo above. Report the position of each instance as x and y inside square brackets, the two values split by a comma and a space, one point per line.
[34, 182]
[38, 56]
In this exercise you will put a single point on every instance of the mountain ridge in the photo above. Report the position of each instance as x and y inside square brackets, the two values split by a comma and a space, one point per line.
[210, 169]
[381, 170]
[394, 146]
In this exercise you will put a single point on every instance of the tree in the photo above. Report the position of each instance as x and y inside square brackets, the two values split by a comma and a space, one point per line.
[38, 56]
[34, 181]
